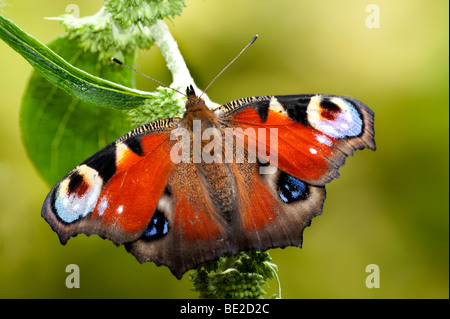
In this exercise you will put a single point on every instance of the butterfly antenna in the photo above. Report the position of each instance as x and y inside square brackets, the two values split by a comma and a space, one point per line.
[144, 75]
[237, 56]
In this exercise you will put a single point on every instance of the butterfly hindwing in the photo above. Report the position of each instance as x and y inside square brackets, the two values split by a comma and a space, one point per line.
[197, 230]
[114, 192]
[274, 208]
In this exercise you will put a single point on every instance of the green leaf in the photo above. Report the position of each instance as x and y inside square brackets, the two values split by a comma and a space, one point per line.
[60, 131]
[73, 80]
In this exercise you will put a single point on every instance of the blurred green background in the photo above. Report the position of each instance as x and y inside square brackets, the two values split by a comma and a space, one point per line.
[389, 207]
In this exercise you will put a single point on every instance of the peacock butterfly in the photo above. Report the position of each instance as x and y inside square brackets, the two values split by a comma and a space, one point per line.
[250, 174]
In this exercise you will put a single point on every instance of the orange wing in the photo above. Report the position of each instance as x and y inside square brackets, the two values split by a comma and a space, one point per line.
[114, 193]
[311, 134]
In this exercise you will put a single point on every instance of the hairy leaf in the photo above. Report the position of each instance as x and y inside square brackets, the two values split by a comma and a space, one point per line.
[60, 131]
[73, 80]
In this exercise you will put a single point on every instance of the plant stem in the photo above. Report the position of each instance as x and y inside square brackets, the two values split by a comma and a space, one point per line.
[175, 62]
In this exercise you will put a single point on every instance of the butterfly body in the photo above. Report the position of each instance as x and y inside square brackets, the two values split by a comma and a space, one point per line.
[250, 174]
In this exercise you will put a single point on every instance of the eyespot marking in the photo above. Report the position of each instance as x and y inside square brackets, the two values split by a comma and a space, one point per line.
[77, 195]
[157, 227]
[336, 117]
[291, 189]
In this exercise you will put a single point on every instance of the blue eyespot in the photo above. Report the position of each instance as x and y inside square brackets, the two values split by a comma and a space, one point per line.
[157, 228]
[291, 189]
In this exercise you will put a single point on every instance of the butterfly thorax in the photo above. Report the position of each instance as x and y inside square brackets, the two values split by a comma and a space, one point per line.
[196, 109]
[201, 113]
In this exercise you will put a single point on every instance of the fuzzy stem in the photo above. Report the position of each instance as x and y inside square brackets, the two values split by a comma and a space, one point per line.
[175, 62]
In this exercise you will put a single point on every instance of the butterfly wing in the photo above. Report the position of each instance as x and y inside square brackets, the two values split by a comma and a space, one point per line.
[314, 133]
[273, 208]
[114, 193]
[313, 136]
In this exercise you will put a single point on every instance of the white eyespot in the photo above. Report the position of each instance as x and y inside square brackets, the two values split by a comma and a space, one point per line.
[313, 151]
[339, 122]
[65, 200]
[120, 209]
[72, 205]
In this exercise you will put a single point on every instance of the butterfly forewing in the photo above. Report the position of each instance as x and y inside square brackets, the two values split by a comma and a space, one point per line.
[114, 193]
[315, 132]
